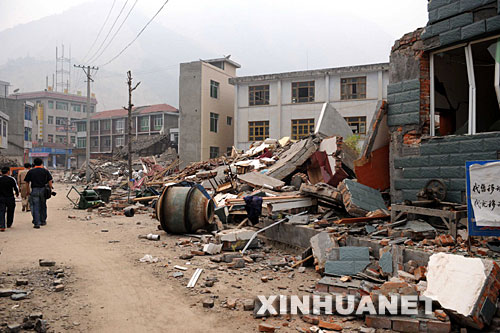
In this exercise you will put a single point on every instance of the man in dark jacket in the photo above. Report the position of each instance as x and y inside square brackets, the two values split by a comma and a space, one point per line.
[38, 178]
[8, 186]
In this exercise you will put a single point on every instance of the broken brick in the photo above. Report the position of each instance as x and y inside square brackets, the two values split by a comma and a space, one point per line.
[408, 325]
[266, 328]
[329, 326]
[420, 273]
[378, 322]
[314, 320]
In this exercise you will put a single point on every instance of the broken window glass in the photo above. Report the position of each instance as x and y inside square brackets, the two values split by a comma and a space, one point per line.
[487, 109]
[451, 92]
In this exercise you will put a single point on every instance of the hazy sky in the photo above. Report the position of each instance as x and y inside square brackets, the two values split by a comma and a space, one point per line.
[264, 36]
[395, 16]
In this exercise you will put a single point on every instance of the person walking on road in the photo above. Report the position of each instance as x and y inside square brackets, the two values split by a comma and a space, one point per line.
[8, 186]
[39, 178]
[22, 186]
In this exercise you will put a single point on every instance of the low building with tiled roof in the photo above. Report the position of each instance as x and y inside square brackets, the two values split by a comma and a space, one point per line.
[108, 129]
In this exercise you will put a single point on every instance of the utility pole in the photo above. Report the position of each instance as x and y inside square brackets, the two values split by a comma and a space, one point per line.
[129, 124]
[88, 74]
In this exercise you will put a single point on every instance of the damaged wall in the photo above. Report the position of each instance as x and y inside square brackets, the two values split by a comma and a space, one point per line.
[415, 156]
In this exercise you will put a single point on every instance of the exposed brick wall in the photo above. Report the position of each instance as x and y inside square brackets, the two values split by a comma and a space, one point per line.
[415, 158]
[453, 21]
[444, 158]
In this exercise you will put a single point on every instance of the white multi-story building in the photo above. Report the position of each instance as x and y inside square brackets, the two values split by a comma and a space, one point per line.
[289, 104]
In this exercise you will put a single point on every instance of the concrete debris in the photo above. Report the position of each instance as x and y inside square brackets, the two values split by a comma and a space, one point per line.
[477, 281]
[360, 199]
[332, 123]
[294, 157]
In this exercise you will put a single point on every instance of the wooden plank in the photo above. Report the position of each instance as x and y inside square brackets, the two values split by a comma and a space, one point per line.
[424, 211]
[350, 220]
[145, 198]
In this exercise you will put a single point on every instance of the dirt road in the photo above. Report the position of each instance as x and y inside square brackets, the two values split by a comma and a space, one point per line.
[121, 296]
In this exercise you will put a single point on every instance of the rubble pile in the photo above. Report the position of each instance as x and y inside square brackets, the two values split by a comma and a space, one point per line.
[8, 162]
[306, 194]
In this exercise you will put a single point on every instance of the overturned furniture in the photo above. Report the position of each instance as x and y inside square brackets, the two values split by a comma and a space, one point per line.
[86, 199]
[184, 209]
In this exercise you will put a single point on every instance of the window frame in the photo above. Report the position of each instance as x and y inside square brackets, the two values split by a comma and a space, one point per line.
[253, 126]
[229, 121]
[79, 142]
[144, 124]
[214, 122]
[216, 154]
[296, 86]
[259, 89]
[471, 81]
[348, 95]
[214, 89]
[159, 126]
[310, 123]
[350, 120]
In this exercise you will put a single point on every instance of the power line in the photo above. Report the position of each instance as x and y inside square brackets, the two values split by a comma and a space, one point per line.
[109, 32]
[116, 32]
[140, 32]
[100, 30]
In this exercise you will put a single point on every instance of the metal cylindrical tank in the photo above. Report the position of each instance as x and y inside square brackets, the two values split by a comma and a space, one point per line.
[184, 210]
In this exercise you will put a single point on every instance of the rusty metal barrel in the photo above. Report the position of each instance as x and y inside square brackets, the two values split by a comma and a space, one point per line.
[182, 210]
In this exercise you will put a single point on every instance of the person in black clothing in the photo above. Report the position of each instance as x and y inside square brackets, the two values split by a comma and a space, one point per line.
[38, 178]
[8, 186]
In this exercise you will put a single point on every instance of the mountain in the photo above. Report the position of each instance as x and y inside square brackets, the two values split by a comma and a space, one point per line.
[154, 58]
[263, 36]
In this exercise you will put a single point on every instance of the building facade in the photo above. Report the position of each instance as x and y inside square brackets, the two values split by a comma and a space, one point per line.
[4, 130]
[54, 131]
[108, 129]
[289, 104]
[443, 97]
[206, 106]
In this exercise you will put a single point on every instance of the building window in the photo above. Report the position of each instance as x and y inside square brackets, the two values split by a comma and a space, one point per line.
[73, 139]
[106, 142]
[50, 120]
[258, 130]
[81, 126]
[27, 112]
[60, 138]
[302, 128]
[94, 142]
[119, 125]
[76, 107]
[353, 88]
[214, 120]
[144, 124]
[92, 109]
[357, 124]
[229, 151]
[81, 142]
[157, 123]
[27, 134]
[105, 125]
[50, 138]
[94, 126]
[466, 89]
[214, 89]
[60, 121]
[119, 141]
[303, 92]
[214, 152]
[51, 104]
[259, 95]
[4, 132]
[229, 120]
[62, 106]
